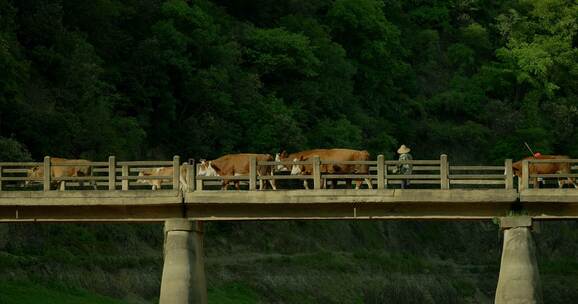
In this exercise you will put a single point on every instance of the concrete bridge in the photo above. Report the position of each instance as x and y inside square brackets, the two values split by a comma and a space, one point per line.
[438, 191]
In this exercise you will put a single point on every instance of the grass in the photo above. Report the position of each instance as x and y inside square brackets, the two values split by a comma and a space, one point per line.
[289, 262]
[234, 293]
[13, 292]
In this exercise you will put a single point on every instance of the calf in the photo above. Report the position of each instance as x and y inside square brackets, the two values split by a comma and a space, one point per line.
[61, 171]
[163, 171]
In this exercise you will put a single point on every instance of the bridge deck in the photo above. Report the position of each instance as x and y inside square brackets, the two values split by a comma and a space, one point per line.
[418, 204]
[145, 205]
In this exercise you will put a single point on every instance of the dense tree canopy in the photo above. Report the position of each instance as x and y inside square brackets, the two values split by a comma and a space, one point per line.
[151, 78]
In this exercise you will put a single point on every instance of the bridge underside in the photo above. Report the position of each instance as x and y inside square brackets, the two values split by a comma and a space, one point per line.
[157, 206]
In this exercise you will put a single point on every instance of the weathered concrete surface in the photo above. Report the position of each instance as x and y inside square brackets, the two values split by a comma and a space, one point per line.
[199, 281]
[515, 222]
[90, 205]
[566, 195]
[353, 196]
[89, 198]
[519, 280]
[395, 204]
[180, 284]
[385, 204]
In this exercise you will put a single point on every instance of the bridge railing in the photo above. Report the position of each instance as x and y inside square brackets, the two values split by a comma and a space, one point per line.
[110, 175]
[482, 176]
[381, 173]
[566, 172]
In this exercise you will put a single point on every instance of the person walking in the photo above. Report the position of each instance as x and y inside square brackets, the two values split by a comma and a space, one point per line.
[404, 169]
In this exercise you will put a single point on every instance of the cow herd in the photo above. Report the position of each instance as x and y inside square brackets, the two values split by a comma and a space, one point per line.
[332, 161]
[336, 163]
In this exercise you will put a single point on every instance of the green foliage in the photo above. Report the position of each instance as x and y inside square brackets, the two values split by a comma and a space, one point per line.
[336, 133]
[13, 292]
[12, 150]
[236, 293]
[156, 78]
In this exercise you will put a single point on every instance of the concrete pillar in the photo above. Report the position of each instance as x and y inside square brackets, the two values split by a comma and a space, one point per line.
[183, 280]
[519, 280]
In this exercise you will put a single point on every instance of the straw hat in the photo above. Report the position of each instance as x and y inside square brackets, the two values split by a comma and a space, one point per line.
[403, 149]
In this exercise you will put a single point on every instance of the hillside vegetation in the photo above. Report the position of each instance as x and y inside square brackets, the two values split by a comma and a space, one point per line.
[148, 79]
[281, 262]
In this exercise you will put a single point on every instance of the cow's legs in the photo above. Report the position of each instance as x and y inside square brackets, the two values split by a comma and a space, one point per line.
[569, 181]
[535, 183]
[369, 184]
[272, 182]
[305, 184]
[348, 184]
[332, 184]
[62, 185]
[359, 182]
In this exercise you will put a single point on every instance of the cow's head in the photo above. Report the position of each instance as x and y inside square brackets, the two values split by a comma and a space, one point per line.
[297, 169]
[206, 168]
[517, 168]
[145, 172]
[33, 173]
[280, 157]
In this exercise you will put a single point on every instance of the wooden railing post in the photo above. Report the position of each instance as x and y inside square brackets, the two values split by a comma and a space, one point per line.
[444, 172]
[189, 177]
[111, 173]
[316, 172]
[125, 173]
[199, 182]
[525, 175]
[253, 173]
[176, 172]
[509, 174]
[0, 178]
[385, 173]
[47, 173]
[381, 168]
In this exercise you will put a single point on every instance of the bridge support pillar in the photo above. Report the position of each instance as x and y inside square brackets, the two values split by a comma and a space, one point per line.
[183, 280]
[519, 280]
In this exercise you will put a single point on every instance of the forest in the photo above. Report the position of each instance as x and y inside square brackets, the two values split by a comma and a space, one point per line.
[149, 79]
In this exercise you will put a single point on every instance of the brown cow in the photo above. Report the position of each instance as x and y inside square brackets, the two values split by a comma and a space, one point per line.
[235, 165]
[61, 171]
[163, 171]
[545, 168]
[330, 155]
